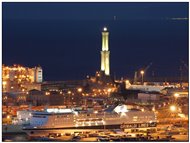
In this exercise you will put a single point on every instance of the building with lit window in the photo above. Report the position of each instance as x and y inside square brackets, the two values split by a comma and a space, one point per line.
[16, 77]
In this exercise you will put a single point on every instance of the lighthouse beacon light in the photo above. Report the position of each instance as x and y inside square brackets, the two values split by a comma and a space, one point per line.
[105, 29]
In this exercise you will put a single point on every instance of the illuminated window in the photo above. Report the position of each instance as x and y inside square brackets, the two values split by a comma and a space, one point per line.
[135, 118]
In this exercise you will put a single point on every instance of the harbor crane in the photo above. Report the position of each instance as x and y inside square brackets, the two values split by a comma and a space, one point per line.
[181, 69]
[137, 76]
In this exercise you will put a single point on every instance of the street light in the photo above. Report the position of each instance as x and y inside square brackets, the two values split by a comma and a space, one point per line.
[69, 92]
[79, 89]
[104, 123]
[109, 90]
[173, 108]
[8, 117]
[176, 95]
[142, 74]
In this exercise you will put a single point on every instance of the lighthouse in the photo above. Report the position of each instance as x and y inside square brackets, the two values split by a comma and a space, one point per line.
[105, 53]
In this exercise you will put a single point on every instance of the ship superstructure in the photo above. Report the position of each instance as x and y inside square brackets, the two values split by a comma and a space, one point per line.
[71, 119]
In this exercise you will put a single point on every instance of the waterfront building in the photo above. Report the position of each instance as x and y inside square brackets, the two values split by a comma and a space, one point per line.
[37, 98]
[15, 77]
[38, 74]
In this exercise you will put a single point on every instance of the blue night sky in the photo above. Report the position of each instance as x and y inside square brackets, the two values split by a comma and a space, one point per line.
[65, 38]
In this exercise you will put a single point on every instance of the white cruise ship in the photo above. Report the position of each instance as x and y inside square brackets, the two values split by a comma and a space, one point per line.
[71, 120]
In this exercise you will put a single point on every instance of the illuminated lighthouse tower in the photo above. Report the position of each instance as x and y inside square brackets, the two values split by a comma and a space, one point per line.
[105, 53]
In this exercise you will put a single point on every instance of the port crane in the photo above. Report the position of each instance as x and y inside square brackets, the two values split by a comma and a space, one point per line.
[137, 76]
[184, 64]
[181, 70]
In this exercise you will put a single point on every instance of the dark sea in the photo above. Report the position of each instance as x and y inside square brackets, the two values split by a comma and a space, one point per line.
[69, 37]
[15, 137]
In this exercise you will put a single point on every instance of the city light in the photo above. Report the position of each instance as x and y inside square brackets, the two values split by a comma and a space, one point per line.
[173, 108]
[79, 89]
[181, 115]
[109, 90]
[176, 95]
[138, 109]
[76, 125]
[4, 82]
[16, 75]
[142, 74]
[95, 112]
[47, 93]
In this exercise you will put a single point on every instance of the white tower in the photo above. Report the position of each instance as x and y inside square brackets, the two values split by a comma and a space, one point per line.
[105, 53]
[38, 74]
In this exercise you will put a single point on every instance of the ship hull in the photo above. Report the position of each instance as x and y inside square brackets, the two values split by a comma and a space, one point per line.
[82, 127]
[63, 130]
[46, 131]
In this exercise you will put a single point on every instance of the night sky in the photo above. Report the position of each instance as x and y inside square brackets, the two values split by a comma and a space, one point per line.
[65, 38]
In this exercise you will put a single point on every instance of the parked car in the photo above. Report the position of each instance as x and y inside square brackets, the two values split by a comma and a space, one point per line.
[76, 138]
[103, 138]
